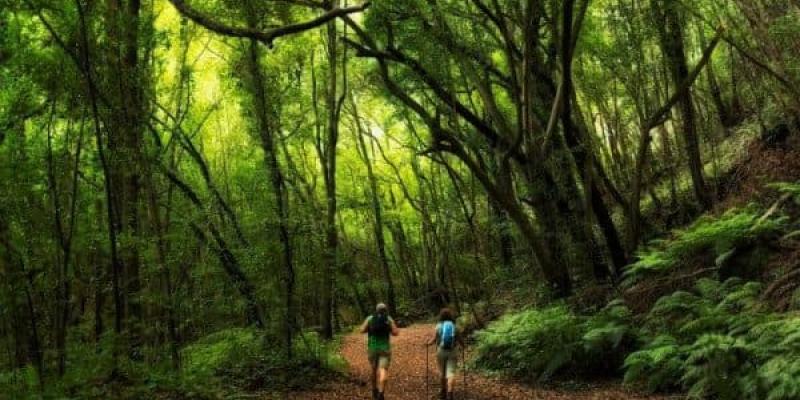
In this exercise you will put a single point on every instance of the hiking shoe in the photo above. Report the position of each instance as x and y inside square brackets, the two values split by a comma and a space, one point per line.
[375, 394]
[380, 396]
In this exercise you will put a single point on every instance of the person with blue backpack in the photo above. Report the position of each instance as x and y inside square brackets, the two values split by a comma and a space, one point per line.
[379, 329]
[445, 338]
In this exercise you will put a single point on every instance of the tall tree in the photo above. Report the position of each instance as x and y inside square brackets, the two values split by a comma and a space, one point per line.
[333, 105]
[267, 121]
[671, 35]
[377, 208]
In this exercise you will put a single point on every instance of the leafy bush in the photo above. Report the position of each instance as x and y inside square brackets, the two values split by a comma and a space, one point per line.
[531, 343]
[780, 377]
[220, 351]
[790, 188]
[719, 366]
[20, 384]
[609, 337]
[697, 339]
[245, 359]
[718, 341]
[227, 361]
[659, 364]
[715, 234]
[541, 343]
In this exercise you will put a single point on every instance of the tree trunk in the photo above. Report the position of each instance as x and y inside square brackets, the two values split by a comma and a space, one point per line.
[331, 231]
[125, 76]
[267, 125]
[377, 211]
[672, 43]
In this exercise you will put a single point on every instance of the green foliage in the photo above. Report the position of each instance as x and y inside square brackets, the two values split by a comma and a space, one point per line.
[533, 343]
[781, 375]
[719, 366]
[609, 334]
[718, 341]
[658, 364]
[20, 384]
[708, 234]
[791, 188]
[244, 358]
[228, 361]
[543, 343]
[219, 351]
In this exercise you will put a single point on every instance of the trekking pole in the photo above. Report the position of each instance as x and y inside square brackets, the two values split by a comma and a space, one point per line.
[427, 372]
[464, 368]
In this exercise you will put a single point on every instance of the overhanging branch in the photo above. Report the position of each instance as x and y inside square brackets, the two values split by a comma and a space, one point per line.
[264, 36]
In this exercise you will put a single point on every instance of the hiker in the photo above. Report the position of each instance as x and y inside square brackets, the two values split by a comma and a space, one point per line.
[379, 327]
[445, 338]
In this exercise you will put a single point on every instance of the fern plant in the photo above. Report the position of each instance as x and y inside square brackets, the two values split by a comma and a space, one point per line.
[790, 188]
[720, 367]
[540, 343]
[659, 364]
[704, 341]
[531, 343]
[708, 234]
[779, 378]
[609, 328]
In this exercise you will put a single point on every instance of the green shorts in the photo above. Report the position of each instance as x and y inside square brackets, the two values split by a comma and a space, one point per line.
[447, 362]
[379, 359]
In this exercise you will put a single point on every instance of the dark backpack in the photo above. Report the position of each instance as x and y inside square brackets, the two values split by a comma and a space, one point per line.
[379, 325]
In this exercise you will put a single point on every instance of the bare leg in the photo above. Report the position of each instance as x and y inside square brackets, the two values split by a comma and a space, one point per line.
[374, 377]
[383, 376]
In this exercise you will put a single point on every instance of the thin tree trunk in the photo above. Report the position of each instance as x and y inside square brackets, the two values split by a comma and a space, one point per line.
[331, 231]
[268, 124]
[671, 34]
[377, 210]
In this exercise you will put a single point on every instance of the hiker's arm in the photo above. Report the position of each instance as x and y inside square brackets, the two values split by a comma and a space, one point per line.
[395, 331]
[364, 327]
[434, 338]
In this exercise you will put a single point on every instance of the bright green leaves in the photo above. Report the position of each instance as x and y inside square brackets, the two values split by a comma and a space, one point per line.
[548, 342]
[717, 235]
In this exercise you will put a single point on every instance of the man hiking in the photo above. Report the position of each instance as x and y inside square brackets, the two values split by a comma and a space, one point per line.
[445, 338]
[379, 328]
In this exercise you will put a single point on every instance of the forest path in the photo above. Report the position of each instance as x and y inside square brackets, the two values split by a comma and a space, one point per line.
[407, 377]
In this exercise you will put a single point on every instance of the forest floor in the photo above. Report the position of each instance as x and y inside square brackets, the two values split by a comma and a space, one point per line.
[407, 377]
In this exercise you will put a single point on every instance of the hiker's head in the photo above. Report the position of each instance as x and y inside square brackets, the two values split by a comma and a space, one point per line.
[446, 315]
[381, 308]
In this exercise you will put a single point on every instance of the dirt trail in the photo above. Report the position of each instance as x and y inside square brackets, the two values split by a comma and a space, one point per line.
[407, 377]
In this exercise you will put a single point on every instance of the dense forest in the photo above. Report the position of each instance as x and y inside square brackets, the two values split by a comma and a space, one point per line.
[201, 199]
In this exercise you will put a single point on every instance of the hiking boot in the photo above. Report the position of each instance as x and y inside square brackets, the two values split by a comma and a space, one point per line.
[375, 394]
[380, 396]
[451, 396]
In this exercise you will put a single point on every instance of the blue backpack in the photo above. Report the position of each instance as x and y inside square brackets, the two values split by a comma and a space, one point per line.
[447, 335]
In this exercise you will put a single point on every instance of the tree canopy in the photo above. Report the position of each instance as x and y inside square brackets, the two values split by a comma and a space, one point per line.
[173, 169]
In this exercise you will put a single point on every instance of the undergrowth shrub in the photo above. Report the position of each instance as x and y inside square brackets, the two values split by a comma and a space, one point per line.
[718, 341]
[719, 366]
[245, 359]
[229, 361]
[609, 337]
[543, 343]
[791, 188]
[531, 343]
[659, 364]
[708, 234]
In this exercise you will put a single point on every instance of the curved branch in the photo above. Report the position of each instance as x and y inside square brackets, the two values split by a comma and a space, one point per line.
[263, 36]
